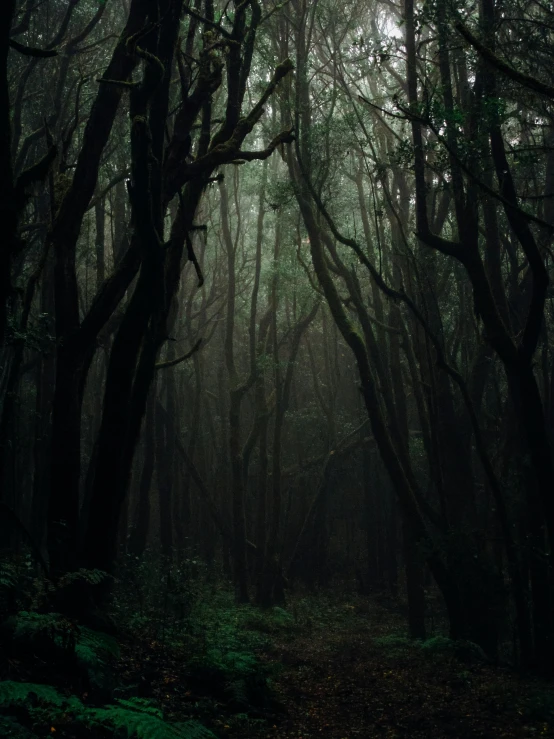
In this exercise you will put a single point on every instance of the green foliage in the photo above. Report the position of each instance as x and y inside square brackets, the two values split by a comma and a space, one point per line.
[42, 631]
[236, 676]
[219, 664]
[34, 696]
[87, 577]
[393, 640]
[140, 704]
[103, 645]
[51, 636]
[224, 642]
[193, 730]
[8, 577]
[321, 612]
[438, 644]
[280, 192]
[270, 621]
[37, 336]
[436, 647]
[18, 583]
[134, 720]
[395, 645]
[23, 590]
[461, 649]
[130, 719]
[9, 727]
[8, 585]
[165, 594]
[94, 652]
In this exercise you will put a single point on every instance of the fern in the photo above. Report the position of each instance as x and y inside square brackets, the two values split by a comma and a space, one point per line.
[131, 723]
[271, 621]
[237, 663]
[461, 649]
[47, 633]
[396, 645]
[140, 704]
[15, 582]
[10, 728]
[8, 587]
[236, 676]
[43, 631]
[33, 695]
[83, 576]
[221, 666]
[95, 651]
[129, 719]
[8, 577]
[29, 623]
[194, 730]
[239, 694]
[438, 644]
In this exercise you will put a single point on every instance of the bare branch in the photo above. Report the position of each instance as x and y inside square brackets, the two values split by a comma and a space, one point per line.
[31, 51]
[173, 362]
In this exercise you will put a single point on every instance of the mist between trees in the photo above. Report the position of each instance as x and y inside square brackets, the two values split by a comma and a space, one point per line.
[274, 292]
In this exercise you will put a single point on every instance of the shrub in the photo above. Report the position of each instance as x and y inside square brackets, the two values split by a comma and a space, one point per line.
[461, 649]
[130, 719]
[396, 645]
[437, 647]
[53, 637]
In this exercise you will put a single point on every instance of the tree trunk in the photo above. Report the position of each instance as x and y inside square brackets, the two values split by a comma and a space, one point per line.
[8, 206]
[139, 533]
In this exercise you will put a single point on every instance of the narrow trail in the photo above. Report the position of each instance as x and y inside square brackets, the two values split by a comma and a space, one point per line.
[344, 669]
[349, 680]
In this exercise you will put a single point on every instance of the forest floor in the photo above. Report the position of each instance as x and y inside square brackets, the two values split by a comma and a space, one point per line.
[343, 670]
[190, 664]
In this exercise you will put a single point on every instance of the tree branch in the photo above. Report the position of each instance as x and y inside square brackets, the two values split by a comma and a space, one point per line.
[489, 56]
[31, 51]
[173, 362]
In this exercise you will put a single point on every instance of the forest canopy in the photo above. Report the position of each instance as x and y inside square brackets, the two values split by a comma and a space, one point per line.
[275, 296]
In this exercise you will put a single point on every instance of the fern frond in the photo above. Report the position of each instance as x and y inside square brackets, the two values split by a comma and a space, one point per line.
[8, 577]
[129, 719]
[88, 577]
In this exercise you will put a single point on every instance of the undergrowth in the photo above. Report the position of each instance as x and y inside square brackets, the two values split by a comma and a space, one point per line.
[46, 711]
[436, 647]
[173, 625]
[185, 661]
[59, 675]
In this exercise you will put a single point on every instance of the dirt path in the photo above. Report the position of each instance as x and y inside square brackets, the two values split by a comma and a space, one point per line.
[350, 679]
[341, 670]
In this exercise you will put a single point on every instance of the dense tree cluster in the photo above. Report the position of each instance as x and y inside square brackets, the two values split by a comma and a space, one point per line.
[275, 290]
